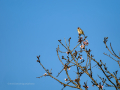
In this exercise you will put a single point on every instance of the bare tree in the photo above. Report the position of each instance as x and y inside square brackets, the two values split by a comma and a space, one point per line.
[74, 58]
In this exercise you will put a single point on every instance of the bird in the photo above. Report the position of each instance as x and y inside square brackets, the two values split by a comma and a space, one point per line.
[80, 31]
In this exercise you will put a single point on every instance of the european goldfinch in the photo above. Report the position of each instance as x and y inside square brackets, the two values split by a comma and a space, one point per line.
[80, 31]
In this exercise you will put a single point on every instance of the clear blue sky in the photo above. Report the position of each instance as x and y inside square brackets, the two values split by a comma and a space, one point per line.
[32, 27]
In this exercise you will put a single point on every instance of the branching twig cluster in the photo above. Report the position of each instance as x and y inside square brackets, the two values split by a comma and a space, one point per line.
[74, 58]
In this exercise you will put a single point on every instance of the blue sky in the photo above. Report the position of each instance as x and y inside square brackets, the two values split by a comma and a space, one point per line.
[33, 27]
